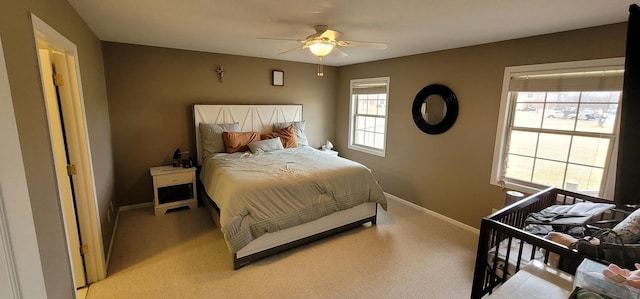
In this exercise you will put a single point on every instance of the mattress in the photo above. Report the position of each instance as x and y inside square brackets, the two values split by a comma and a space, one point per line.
[267, 192]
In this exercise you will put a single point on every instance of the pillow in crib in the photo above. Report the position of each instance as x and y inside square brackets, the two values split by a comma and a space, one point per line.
[628, 229]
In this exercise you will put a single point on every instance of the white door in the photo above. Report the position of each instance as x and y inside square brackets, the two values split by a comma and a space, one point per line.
[51, 60]
[20, 267]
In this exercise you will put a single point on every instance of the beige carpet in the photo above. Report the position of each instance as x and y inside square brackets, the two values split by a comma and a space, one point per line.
[408, 254]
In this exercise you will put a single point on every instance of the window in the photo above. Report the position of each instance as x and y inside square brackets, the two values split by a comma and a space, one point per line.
[368, 115]
[558, 127]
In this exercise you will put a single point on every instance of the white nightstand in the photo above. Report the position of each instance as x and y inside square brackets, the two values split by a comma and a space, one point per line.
[173, 187]
[330, 152]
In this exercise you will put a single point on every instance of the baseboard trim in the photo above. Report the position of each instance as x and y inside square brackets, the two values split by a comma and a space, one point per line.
[113, 237]
[434, 214]
[136, 206]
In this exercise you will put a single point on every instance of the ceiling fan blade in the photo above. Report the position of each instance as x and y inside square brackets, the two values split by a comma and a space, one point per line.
[291, 50]
[331, 34]
[312, 37]
[284, 39]
[370, 45]
[338, 52]
[320, 28]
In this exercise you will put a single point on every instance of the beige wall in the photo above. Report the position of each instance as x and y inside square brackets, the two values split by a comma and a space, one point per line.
[152, 92]
[449, 173]
[24, 79]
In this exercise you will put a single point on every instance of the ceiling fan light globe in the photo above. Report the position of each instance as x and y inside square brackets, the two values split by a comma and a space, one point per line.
[320, 49]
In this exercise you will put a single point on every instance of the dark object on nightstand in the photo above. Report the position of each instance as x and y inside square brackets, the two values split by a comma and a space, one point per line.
[187, 163]
[176, 158]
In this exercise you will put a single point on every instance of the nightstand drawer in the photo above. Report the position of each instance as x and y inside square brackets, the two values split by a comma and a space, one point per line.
[174, 179]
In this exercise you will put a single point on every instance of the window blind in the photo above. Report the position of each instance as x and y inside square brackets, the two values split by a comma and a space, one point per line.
[369, 88]
[591, 80]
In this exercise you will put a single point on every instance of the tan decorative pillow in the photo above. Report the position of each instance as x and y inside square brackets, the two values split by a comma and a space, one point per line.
[298, 127]
[287, 136]
[237, 141]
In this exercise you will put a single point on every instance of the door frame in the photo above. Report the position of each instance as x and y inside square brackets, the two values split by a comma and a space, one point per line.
[84, 184]
[20, 261]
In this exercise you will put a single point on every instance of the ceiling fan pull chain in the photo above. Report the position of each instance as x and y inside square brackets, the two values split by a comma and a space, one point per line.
[320, 69]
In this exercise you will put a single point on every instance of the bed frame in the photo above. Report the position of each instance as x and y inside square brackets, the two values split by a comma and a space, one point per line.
[508, 223]
[272, 243]
[259, 118]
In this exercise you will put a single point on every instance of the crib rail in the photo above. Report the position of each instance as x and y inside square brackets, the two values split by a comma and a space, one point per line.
[506, 225]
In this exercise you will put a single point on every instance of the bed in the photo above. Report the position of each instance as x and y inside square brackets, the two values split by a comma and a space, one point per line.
[504, 246]
[271, 200]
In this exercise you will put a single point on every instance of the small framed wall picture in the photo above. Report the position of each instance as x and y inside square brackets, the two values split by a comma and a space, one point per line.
[277, 78]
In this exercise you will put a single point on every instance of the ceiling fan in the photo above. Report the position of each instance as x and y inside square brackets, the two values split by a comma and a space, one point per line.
[326, 41]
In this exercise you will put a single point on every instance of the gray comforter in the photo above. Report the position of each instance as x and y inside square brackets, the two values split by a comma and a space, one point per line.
[271, 191]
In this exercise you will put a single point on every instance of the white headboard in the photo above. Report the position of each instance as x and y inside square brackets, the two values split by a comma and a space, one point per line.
[252, 118]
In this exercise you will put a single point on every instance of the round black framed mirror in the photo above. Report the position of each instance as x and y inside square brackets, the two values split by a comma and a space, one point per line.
[435, 109]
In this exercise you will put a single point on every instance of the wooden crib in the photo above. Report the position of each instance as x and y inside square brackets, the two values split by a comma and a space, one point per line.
[505, 227]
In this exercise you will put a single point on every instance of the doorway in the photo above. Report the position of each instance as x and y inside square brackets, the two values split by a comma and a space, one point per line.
[71, 154]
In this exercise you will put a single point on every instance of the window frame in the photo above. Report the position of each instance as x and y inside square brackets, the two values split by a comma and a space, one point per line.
[506, 116]
[353, 114]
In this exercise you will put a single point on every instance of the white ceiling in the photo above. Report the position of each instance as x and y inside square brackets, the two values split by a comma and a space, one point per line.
[407, 26]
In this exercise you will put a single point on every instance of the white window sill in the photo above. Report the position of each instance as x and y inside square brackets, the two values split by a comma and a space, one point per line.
[517, 187]
[380, 153]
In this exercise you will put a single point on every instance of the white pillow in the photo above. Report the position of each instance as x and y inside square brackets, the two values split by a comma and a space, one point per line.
[266, 145]
[211, 137]
[298, 126]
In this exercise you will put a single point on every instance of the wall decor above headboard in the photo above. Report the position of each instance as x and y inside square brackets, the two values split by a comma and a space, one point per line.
[251, 118]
